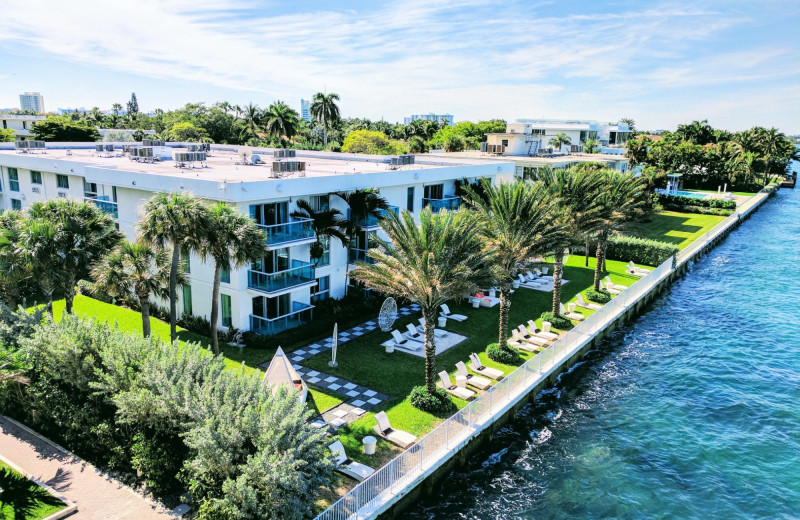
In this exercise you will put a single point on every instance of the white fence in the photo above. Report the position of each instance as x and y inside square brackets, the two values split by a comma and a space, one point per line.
[370, 496]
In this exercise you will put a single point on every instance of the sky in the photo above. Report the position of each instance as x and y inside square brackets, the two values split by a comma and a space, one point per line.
[732, 62]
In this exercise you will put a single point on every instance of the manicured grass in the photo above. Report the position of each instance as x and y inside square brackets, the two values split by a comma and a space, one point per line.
[673, 227]
[323, 400]
[21, 499]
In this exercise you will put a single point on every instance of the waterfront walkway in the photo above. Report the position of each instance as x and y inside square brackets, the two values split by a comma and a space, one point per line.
[97, 496]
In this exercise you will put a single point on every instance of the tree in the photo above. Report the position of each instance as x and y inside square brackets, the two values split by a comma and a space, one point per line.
[134, 270]
[371, 142]
[697, 132]
[252, 120]
[325, 110]
[84, 234]
[591, 145]
[7, 135]
[39, 254]
[178, 220]
[133, 105]
[326, 223]
[516, 224]
[232, 240]
[428, 264]
[559, 141]
[116, 108]
[13, 268]
[363, 204]
[417, 145]
[454, 143]
[630, 122]
[281, 120]
[186, 131]
[637, 150]
[62, 129]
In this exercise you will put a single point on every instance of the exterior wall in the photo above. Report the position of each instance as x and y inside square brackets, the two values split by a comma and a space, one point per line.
[22, 125]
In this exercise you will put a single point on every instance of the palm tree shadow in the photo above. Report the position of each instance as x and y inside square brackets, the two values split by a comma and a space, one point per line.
[61, 481]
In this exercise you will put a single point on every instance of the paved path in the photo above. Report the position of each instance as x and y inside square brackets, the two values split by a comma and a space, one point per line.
[97, 496]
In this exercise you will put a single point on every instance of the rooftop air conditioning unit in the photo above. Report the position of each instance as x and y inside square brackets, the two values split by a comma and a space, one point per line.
[152, 142]
[284, 153]
[288, 166]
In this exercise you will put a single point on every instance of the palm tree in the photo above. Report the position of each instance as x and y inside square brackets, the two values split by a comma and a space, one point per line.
[252, 120]
[116, 108]
[326, 223]
[12, 265]
[441, 258]
[591, 145]
[281, 120]
[516, 224]
[37, 249]
[84, 235]
[135, 270]
[560, 140]
[232, 240]
[325, 110]
[622, 198]
[178, 220]
[363, 204]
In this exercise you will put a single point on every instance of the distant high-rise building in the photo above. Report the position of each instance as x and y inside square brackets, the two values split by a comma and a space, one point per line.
[32, 101]
[305, 109]
[439, 118]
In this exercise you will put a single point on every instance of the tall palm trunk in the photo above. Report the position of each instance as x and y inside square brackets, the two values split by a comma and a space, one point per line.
[430, 349]
[144, 306]
[505, 306]
[47, 288]
[173, 291]
[215, 310]
[600, 256]
[69, 291]
[586, 252]
[324, 131]
[559, 258]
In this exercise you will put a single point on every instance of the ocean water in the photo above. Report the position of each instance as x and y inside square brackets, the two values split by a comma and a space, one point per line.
[690, 411]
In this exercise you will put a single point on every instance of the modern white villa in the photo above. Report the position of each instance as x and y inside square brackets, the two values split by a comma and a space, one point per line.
[531, 137]
[22, 125]
[280, 290]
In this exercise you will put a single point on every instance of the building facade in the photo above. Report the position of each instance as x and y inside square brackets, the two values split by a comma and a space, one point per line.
[305, 110]
[280, 290]
[439, 118]
[22, 125]
[532, 137]
[32, 101]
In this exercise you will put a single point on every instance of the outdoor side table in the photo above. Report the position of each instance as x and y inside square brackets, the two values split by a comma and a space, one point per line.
[369, 444]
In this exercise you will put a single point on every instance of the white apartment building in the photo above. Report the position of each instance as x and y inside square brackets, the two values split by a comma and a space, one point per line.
[439, 118]
[32, 101]
[22, 125]
[532, 136]
[280, 290]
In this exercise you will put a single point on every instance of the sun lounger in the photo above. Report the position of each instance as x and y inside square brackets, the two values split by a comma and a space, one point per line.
[610, 288]
[617, 286]
[450, 316]
[450, 388]
[479, 368]
[536, 331]
[519, 342]
[586, 305]
[439, 333]
[531, 276]
[413, 334]
[385, 431]
[349, 467]
[637, 271]
[481, 383]
[526, 335]
[404, 343]
[575, 316]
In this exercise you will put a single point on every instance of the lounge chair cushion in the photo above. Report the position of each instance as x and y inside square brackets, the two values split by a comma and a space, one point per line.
[446, 313]
[439, 333]
[481, 383]
[533, 329]
[349, 467]
[385, 431]
[479, 368]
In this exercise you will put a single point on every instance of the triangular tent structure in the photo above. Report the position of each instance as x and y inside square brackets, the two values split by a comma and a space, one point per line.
[281, 371]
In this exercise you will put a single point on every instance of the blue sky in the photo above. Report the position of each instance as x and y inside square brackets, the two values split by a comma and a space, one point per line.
[734, 63]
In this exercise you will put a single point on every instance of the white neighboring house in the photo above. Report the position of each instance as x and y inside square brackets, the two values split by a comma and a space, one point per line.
[22, 125]
[532, 137]
[280, 290]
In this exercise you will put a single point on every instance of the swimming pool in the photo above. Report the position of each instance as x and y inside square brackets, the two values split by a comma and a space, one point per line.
[681, 193]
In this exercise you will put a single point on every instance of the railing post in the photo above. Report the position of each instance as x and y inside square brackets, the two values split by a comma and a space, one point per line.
[358, 502]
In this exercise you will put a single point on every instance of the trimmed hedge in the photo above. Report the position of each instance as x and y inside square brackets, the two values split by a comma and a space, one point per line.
[507, 357]
[436, 403]
[640, 250]
[601, 296]
[560, 322]
[673, 200]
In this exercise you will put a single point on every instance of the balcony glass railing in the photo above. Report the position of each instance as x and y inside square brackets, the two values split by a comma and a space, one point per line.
[297, 229]
[359, 255]
[105, 204]
[450, 203]
[300, 273]
[372, 221]
[301, 313]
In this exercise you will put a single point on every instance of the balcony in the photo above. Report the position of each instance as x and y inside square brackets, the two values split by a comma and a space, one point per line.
[301, 313]
[301, 274]
[359, 255]
[450, 203]
[105, 204]
[296, 232]
[372, 222]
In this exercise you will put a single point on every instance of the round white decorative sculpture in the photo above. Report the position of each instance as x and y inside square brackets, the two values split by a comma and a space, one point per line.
[387, 315]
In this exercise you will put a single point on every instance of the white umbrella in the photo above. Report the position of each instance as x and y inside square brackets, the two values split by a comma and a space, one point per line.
[334, 345]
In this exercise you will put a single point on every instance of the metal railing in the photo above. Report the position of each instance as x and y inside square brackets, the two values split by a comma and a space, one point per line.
[437, 205]
[301, 313]
[371, 221]
[299, 274]
[296, 229]
[105, 204]
[359, 255]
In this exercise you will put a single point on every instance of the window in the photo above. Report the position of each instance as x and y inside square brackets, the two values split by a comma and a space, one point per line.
[504, 142]
[410, 199]
[320, 202]
[225, 303]
[89, 189]
[269, 214]
[187, 265]
[434, 191]
[13, 179]
[114, 193]
[325, 242]
[275, 261]
[187, 299]
[36, 177]
[225, 275]
[16, 204]
[62, 181]
[322, 290]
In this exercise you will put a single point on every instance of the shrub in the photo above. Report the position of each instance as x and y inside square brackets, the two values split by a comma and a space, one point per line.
[436, 403]
[196, 324]
[671, 200]
[601, 296]
[640, 250]
[507, 356]
[560, 322]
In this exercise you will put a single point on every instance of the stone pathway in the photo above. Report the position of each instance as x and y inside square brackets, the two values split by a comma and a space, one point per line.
[97, 496]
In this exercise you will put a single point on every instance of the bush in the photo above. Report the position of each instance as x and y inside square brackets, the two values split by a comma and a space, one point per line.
[681, 201]
[560, 322]
[640, 250]
[436, 403]
[192, 323]
[601, 296]
[506, 356]
[699, 210]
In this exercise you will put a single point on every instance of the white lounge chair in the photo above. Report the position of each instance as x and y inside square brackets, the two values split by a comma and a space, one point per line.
[479, 368]
[536, 331]
[531, 338]
[635, 270]
[575, 316]
[617, 286]
[404, 343]
[349, 467]
[450, 388]
[611, 289]
[450, 316]
[586, 305]
[530, 276]
[413, 334]
[385, 431]
[521, 343]
[439, 333]
[481, 383]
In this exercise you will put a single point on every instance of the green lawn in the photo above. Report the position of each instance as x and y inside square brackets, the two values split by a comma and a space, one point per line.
[673, 227]
[21, 499]
[323, 400]
[737, 193]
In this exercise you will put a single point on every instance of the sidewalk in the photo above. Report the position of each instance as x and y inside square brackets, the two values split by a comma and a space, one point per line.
[97, 496]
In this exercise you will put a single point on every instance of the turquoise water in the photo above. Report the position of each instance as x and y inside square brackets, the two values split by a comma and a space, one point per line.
[690, 194]
[691, 411]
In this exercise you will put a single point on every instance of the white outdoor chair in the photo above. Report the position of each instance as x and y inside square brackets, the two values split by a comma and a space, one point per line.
[439, 333]
[586, 305]
[450, 388]
[349, 467]
[404, 343]
[575, 316]
[481, 383]
[479, 368]
[533, 329]
[385, 431]
[450, 316]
